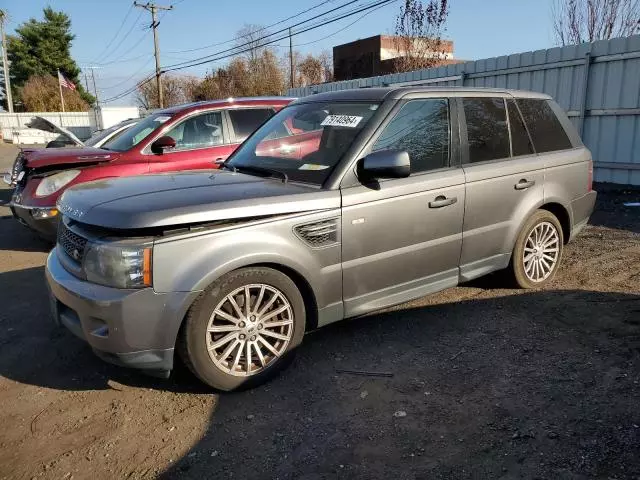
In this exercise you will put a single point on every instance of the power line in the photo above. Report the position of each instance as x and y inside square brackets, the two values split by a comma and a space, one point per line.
[111, 87]
[115, 49]
[286, 29]
[130, 89]
[368, 8]
[124, 21]
[213, 58]
[258, 30]
[337, 31]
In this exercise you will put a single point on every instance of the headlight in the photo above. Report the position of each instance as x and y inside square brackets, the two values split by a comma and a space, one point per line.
[119, 266]
[53, 183]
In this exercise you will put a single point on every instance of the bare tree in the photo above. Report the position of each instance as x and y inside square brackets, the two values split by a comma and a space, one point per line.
[326, 59]
[578, 21]
[176, 90]
[249, 40]
[311, 71]
[418, 32]
[41, 93]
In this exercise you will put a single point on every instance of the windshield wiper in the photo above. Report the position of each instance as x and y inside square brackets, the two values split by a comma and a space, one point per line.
[257, 169]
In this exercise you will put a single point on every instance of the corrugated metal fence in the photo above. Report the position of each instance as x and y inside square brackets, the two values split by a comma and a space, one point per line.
[598, 84]
[14, 125]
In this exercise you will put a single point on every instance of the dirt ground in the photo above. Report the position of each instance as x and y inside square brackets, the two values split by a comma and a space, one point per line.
[485, 382]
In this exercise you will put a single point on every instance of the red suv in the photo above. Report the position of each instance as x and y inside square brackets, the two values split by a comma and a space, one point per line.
[186, 137]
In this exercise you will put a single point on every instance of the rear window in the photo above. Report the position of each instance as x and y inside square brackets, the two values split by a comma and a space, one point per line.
[545, 128]
[246, 121]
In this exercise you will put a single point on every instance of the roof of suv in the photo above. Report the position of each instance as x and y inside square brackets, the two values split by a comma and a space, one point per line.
[381, 93]
[228, 102]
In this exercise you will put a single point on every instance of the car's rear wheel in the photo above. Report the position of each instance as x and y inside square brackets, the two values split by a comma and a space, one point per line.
[538, 251]
[243, 329]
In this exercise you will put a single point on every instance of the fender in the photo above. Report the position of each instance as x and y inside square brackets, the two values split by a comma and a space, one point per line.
[194, 261]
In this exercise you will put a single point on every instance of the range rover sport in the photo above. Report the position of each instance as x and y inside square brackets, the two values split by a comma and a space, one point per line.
[398, 192]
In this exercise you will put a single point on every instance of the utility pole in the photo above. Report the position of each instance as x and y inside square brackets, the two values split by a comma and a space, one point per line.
[93, 79]
[95, 90]
[153, 8]
[5, 63]
[291, 57]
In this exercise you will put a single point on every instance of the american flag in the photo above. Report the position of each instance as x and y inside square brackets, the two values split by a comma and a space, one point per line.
[65, 82]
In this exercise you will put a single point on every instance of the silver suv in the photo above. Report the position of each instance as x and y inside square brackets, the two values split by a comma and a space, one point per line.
[341, 204]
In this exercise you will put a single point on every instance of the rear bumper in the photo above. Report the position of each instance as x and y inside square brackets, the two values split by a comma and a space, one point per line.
[582, 208]
[132, 328]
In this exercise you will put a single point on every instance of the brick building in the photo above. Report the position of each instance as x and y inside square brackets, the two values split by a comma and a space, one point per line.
[376, 55]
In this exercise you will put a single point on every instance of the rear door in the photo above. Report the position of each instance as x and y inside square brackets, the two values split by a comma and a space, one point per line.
[402, 239]
[202, 142]
[504, 181]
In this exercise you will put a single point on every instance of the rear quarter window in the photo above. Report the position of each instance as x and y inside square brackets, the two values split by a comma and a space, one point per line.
[546, 131]
[245, 121]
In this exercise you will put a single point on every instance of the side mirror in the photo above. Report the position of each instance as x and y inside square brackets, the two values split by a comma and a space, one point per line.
[162, 144]
[386, 164]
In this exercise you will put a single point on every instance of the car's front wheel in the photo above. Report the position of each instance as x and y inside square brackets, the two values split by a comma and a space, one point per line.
[243, 329]
[538, 250]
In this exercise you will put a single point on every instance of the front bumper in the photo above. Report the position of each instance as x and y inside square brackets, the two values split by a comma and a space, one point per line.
[47, 228]
[132, 328]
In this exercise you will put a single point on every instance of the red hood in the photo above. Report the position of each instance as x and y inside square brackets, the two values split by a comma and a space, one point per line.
[61, 156]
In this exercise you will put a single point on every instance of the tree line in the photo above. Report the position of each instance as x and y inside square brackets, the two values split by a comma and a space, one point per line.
[258, 71]
[40, 48]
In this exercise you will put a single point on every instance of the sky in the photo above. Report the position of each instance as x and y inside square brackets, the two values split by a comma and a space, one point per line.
[479, 29]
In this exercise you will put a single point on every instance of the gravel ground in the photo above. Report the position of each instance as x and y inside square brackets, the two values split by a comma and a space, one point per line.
[483, 382]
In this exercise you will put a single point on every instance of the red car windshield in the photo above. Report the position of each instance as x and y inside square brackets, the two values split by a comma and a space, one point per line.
[134, 135]
[305, 141]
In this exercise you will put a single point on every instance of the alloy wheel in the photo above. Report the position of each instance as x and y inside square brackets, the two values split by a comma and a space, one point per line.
[541, 252]
[249, 329]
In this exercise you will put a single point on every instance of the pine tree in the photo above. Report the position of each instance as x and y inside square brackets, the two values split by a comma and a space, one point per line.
[42, 48]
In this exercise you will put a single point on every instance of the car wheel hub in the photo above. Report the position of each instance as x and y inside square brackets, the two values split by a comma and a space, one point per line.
[541, 252]
[249, 329]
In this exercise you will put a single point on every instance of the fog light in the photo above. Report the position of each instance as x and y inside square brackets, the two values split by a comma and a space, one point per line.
[40, 213]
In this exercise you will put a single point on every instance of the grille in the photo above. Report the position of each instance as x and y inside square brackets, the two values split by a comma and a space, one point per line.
[319, 234]
[18, 165]
[72, 243]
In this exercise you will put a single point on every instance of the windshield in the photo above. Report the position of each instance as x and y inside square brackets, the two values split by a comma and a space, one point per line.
[304, 142]
[100, 135]
[134, 135]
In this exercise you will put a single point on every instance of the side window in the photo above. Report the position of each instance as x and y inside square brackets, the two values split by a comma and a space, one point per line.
[487, 130]
[421, 127]
[545, 128]
[245, 121]
[520, 143]
[199, 131]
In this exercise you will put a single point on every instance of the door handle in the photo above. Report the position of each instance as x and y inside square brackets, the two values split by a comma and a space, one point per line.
[442, 201]
[219, 161]
[524, 184]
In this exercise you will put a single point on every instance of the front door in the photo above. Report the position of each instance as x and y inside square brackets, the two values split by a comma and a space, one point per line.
[202, 142]
[402, 239]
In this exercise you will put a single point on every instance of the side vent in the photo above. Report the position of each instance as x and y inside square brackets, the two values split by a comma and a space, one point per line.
[319, 234]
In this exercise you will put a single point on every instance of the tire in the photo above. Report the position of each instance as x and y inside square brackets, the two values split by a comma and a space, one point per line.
[526, 274]
[219, 358]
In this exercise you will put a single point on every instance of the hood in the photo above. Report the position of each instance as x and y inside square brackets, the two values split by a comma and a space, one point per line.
[41, 123]
[45, 157]
[188, 197]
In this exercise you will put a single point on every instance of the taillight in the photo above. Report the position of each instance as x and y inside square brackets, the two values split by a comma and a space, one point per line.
[590, 179]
